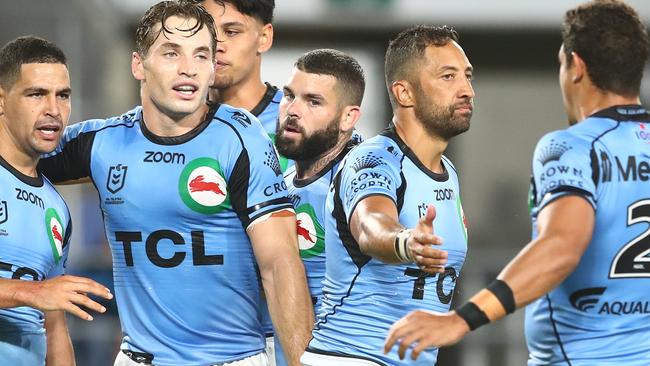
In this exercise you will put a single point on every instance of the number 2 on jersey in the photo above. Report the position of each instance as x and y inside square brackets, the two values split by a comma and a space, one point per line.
[633, 259]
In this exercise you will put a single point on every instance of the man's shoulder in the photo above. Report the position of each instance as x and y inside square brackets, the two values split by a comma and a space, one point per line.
[240, 121]
[128, 119]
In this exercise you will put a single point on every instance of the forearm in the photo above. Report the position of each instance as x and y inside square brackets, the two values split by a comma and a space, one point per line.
[14, 293]
[376, 236]
[59, 345]
[290, 305]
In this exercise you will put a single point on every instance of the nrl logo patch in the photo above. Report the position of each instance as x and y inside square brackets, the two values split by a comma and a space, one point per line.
[116, 178]
[4, 214]
[202, 186]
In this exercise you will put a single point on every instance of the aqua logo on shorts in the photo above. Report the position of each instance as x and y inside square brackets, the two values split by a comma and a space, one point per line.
[202, 186]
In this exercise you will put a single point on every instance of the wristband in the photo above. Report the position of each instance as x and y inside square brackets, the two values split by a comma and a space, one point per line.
[472, 315]
[503, 292]
[402, 252]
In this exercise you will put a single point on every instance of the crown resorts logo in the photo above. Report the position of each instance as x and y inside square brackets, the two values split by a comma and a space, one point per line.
[367, 161]
[202, 186]
[311, 235]
[284, 162]
[553, 151]
[55, 233]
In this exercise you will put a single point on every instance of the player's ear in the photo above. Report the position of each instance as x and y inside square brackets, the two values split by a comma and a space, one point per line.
[349, 117]
[137, 66]
[403, 93]
[265, 39]
[579, 67]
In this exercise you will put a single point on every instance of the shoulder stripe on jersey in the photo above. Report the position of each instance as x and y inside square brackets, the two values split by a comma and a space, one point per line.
[449, 164]
[241, 141]
[276, 201]
[401, 190]
[557, 334]
[595, 167]
[343, 355]
[343, 229]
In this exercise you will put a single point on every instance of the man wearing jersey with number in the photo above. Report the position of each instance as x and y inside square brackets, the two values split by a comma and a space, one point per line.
[190, 195]
[318, 112]
[584, 276]
[383, 257]
[35, 224]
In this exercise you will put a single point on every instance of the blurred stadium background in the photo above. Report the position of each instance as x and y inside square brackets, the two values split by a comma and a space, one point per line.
[512, 44]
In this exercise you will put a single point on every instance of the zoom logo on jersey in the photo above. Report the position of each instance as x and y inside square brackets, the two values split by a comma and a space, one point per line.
[166, 157]
[553, 152]
[586, 298]
[23, 195]
[311, 235]
[55, 233]
[202, 186]
[4, 213]
[116, 178]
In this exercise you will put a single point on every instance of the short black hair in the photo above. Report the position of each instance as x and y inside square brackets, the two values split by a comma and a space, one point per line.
[146, 34]
[262, 10]
[613, 42]
[344, 68]
[26, 50]
[407, 49]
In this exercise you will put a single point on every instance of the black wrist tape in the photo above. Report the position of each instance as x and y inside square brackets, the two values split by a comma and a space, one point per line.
[503, 292]
[473, 315]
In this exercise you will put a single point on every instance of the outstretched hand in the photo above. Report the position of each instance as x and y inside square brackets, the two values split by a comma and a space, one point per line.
[424, 329]
[65, 293]
[428, 258]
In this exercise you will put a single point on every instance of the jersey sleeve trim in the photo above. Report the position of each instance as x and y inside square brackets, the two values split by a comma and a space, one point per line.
[567, 191]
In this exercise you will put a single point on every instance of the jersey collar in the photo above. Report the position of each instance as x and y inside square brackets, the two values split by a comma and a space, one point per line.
[624, 113]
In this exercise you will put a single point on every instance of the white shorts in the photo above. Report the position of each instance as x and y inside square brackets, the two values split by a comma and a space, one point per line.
[259, 359]
[270, 350]
[317, 359]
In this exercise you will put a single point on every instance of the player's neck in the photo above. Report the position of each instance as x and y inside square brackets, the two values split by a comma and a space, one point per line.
[597, 100]
[427, 148]
[14, 156]
[164, 125]
[306, 169]
[246, 94]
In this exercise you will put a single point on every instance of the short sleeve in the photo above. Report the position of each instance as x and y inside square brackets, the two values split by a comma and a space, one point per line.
[562, 166]
[368, 171]
[257, 184]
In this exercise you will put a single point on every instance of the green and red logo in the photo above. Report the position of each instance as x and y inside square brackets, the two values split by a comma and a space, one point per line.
[311, 236]
[202, 186]
[284, 162]
[55, 233]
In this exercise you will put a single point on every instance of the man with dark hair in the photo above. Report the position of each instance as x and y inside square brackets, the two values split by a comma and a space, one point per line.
[191, 193]
[35, 225]
[246, 33]
[318, 112]
[584, 276]
[383, 259]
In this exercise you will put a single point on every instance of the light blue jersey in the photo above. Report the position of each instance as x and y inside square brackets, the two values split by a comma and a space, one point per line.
[175, 211]
[600, 314]
[363, 296]
[267, 111]
[35, 228]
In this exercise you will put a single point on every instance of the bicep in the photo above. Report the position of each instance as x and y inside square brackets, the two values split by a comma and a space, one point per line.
[273, 237]
[568, 221]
